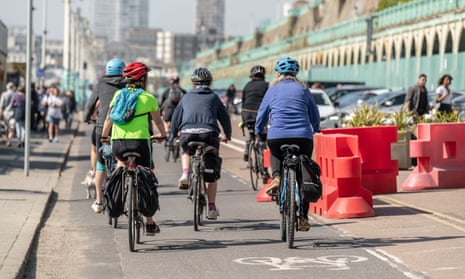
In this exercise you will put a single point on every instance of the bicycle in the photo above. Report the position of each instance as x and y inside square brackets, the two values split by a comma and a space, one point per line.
[289, 198]
[135, 219]
[255, 160]
[196, 182]
[110, 162]
[172, 149]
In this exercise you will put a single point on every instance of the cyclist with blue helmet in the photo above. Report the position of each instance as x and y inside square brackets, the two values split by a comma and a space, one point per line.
[293, 118]
[196, 119]
[99, 101]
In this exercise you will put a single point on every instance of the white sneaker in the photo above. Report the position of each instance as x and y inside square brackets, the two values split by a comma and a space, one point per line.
[97, 207]
[183, 182]
[213, 214]
[55, 139]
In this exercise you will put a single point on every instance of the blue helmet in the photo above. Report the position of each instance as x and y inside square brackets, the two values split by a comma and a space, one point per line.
[287, 65]
[114, 67]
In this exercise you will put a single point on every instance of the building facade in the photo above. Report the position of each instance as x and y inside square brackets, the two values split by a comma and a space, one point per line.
[209, 22]
[111, 19]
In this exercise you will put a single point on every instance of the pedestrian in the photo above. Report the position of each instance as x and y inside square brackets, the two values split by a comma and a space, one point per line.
[230, 95]
[416, 100]
[54, 114]
[7, 113]
[18, 104]
[444, 95]
[69, 108]
[196, 119]
[96, 112]
[293, 117]
[42, 96]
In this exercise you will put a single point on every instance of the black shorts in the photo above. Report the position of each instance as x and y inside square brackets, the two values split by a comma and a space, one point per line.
[210, 138]
[142, 146]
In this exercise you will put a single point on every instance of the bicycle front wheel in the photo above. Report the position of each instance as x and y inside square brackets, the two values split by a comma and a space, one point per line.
[292, 208]
[253, 166]
[132, 218]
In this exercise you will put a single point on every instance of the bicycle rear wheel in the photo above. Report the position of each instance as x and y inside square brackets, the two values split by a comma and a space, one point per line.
[132, 218]
[167, 151]
[176, 151]
[253, 167]
[292, 208]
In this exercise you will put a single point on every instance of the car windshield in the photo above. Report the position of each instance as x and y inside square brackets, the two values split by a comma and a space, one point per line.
[320, 99]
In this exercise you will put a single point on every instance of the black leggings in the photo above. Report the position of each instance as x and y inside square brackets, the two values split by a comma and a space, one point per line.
[306, 147]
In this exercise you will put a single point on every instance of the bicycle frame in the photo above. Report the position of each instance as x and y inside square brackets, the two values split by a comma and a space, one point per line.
[196, 182]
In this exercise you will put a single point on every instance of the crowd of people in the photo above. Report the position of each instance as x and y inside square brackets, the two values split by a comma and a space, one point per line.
[48, 109]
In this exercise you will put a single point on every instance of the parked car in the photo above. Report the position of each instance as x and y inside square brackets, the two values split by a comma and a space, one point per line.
[458, 104]
[335, 93]
[329, 116]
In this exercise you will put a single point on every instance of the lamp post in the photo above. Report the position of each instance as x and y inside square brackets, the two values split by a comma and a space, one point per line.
[28, 88]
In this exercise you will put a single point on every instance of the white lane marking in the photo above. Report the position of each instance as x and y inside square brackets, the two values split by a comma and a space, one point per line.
[235, 144]
[336, 262]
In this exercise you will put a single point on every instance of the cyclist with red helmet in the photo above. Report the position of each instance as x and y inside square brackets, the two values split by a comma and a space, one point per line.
[196, 118]
[293, 118]
[134, 136]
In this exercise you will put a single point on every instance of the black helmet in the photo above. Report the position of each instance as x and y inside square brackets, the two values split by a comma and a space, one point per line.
[201, 76]
[174, 79]
[258, 70]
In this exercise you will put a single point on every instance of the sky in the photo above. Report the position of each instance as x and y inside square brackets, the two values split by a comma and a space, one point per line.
[173, 15]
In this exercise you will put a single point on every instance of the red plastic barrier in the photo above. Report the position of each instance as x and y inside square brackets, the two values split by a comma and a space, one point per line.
[379, 172]
[440, 153]
[343, 196]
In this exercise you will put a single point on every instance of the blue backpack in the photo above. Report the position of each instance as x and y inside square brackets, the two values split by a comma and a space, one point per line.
[124, 107]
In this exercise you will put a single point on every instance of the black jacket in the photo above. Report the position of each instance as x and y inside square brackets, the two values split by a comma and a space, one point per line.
[253, 93]
[201, 108]
[104, 91]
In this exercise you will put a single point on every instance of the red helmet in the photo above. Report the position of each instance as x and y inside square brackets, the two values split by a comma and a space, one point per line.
[135, 70]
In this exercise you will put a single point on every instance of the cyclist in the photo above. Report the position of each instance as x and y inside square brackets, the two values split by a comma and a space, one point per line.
[196, 118]
[134, 136]
[100, 100]
[170, 99]
[294, 118]
[252, 96]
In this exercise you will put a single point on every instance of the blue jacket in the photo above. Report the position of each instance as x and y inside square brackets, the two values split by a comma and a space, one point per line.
[291, 111]
[201, 108]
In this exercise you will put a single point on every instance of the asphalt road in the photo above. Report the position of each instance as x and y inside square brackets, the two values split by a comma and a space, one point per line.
[243, 243]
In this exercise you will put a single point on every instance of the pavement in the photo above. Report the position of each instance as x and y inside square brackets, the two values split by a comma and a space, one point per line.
[24, 199]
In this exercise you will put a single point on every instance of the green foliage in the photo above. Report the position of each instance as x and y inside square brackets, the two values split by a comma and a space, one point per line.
[441, 117]
[366, 115]
[384, 4]
[401, 119]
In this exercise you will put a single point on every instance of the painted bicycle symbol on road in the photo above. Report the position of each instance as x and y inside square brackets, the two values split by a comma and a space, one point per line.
[337, 262]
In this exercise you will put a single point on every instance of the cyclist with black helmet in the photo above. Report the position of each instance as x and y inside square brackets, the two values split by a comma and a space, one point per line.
[293, 118]
[100, 100]
[134, 136]
[196, 118]
[170, 99]
[252, 96]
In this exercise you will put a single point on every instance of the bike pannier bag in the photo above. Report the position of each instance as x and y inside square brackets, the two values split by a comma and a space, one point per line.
[212, 161]
[311, 185]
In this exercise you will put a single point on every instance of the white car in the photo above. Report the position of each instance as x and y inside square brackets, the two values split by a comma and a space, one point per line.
[329, 116]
